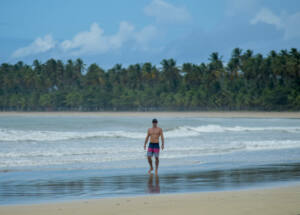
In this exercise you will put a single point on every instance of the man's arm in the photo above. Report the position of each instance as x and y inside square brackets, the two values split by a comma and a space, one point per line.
[162, 140]
[147, 138]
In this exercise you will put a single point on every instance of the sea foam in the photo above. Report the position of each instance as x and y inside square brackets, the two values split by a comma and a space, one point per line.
[181, 131]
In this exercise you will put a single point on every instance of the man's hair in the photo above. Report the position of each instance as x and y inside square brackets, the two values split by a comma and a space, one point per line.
[154, 120]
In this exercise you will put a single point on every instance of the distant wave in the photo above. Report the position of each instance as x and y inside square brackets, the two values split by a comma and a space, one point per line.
[181, 131]
[238, 146]
[219, 128]
[271, 144]
[31, 135]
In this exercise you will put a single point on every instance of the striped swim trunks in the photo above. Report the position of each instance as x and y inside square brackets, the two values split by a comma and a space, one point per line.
[153, 149]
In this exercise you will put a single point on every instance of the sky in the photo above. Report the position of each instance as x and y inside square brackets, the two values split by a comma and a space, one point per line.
[138, 31]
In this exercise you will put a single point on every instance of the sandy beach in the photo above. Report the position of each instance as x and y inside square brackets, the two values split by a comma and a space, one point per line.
[223, 114]
[266, 201]
[222, 155]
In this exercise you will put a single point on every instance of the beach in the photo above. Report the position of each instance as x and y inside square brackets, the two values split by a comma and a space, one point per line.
[91, 162]
[155, 107]
[266, 201]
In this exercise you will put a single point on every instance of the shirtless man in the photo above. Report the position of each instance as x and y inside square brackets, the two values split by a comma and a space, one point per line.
[153, 149]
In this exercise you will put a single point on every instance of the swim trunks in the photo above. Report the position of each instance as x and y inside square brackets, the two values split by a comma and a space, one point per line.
[153, 149]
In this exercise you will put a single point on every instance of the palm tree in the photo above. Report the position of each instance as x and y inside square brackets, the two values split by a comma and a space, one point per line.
[170, 74]
[235, 62]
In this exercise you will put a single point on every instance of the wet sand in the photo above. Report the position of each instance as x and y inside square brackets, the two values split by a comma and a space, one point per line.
[225, 114]
[34, 187]
[266, 201]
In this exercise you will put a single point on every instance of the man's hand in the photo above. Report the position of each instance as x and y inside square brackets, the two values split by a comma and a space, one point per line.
[147, 138]
[162, 139]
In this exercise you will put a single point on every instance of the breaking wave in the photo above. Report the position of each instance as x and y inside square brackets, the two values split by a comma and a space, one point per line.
[99, 154]
[182, 131]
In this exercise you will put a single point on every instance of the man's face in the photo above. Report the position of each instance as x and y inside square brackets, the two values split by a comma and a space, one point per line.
[154, 124]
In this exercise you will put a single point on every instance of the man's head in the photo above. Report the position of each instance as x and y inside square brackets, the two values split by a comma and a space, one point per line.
[154, 122]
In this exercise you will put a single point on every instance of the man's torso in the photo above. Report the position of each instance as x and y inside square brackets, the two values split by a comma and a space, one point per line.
[154, 134]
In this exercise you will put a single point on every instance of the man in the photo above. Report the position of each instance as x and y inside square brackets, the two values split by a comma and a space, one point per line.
[153, 149]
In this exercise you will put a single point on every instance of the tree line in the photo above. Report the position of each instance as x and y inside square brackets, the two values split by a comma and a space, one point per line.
[247, 81]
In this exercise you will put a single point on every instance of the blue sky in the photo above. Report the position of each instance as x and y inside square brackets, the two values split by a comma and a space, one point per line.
[137, 31]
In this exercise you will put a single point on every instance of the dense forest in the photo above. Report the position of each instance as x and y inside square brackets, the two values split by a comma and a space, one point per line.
[247, 82]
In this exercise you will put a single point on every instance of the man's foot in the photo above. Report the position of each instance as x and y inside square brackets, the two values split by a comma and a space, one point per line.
[150, 170]
[156, 172]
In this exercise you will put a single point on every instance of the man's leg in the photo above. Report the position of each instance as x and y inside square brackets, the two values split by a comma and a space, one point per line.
[156, 165]
[150, 164]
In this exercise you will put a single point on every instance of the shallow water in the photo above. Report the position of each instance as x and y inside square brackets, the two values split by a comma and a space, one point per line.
[47, 186]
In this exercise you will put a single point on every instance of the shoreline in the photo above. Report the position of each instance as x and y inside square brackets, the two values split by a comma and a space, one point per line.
[268, 201]
[204, 114]
[97, 184]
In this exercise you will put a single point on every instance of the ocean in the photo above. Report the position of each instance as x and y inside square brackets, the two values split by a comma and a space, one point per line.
[57, 158]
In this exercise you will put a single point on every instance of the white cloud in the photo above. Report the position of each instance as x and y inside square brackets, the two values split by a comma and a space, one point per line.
[146, 34]
[125, 33]
[95, 41]
[86, 40]
[167, 13]
[267, 16]
[292, 29]
[144, 37]
[40, 45]
[289, 24]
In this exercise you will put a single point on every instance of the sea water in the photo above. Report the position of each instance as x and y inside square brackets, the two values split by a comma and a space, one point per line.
[48, 157]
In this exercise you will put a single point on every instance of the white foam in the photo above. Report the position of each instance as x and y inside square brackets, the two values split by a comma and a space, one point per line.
[181, 131]
[30, 135]
[44, 154]
[218, 128]
[271, 144]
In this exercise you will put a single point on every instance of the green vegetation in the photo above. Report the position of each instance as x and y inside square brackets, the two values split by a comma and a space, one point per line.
[247, 82]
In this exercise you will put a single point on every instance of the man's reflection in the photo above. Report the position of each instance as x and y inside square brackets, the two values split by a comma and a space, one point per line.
[153, 188]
